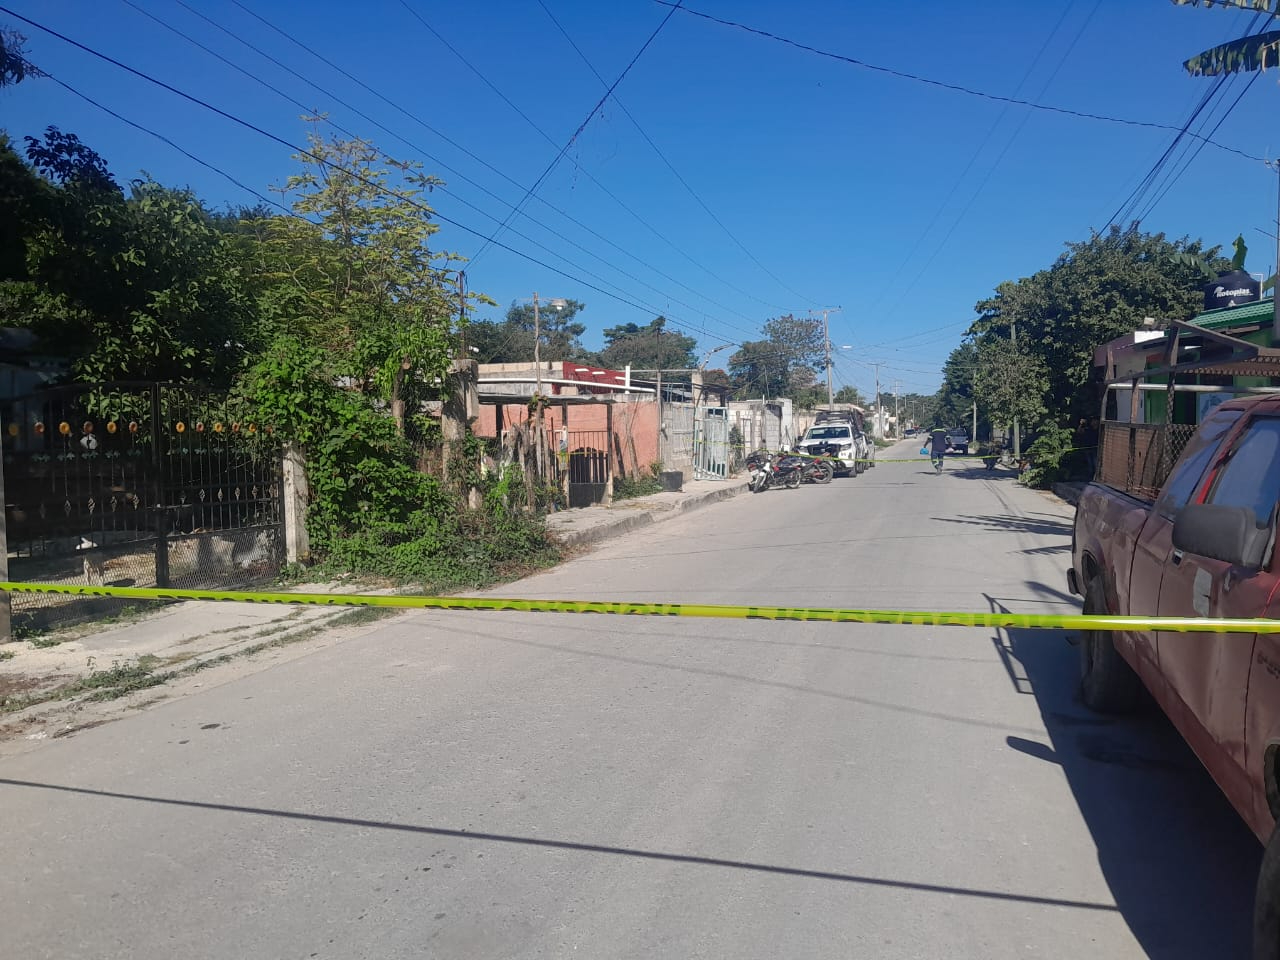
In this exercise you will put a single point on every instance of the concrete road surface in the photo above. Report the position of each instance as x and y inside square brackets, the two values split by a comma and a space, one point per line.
[518, 786]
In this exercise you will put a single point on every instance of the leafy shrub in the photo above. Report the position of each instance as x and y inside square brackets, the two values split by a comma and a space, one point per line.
[1049, 456]
[372, 511]
[641, 485]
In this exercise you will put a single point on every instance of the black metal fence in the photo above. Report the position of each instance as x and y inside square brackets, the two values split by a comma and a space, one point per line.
[586, 459]
[136, 484]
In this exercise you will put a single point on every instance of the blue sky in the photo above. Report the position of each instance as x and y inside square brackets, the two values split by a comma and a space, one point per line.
[900, 202]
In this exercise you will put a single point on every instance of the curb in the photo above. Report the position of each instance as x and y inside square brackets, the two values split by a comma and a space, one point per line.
[1069, 492]
[646, 515]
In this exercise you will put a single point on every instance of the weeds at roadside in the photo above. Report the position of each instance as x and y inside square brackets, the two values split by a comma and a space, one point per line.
[44, 637]
[640, 485]
[7, 655]
[123, 677]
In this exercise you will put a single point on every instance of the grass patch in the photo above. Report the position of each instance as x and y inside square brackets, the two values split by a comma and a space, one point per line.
[7, 655]
[639, 485]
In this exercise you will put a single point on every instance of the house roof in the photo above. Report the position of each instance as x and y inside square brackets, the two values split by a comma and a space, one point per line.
[1214, 353]
[1229, 318]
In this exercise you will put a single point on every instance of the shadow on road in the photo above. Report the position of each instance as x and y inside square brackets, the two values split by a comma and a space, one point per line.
[1008, 523]
[473, 836]
[1178, 860]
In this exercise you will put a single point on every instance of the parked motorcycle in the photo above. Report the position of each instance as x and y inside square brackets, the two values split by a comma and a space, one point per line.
[821, 465]
[775, 471]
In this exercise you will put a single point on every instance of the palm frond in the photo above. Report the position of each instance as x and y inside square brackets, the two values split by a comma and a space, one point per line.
[1246, 54]
[1262, 6]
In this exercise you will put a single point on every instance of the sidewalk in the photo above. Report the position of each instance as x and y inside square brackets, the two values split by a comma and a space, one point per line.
[593, 524]
[80, 677]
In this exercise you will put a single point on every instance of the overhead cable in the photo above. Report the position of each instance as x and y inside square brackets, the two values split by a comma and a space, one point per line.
[355, 174]
[489, 166]
[578, 132]
[670, 166]
[954, 87]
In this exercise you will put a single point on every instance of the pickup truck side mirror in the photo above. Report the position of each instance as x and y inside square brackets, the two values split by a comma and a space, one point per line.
[1229, 534]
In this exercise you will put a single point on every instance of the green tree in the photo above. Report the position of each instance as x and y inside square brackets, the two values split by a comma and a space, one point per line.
[849, 394]
[648, 347]
[14, 65]
[1097, 290]
[954, 400]
[798, 339]
[135, 286]
[510, 340]
[1010, 384]
[758, 368]
[785, 363]
[359, 269]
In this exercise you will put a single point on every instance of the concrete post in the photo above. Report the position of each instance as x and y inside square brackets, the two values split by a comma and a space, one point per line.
[461, 407]
[6, 612]
[297, 545]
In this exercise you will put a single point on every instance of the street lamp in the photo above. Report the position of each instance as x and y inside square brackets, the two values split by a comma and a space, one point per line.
[697, 376]
[556, 304]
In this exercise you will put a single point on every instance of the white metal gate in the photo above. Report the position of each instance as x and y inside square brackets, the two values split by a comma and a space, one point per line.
[677, 436]
[711, 444]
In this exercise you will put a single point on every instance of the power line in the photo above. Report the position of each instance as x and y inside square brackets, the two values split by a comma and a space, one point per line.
[955, 187]
[163, 139]
[350, 133]
[1135, 198]
[956, 88]
[413, 146]
[670, 166]
[921, 333]
[355, 174]
[973, 198]
[578, 132]
[488, 166]
[1170, 181]
[1174, 177]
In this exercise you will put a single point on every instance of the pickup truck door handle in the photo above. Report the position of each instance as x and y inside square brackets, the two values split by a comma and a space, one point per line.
[1177, 557]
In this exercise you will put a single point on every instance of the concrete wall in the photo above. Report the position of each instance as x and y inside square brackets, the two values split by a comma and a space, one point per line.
[634, 424]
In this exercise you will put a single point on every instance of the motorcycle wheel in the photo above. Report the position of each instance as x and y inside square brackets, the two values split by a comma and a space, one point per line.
[825, 472]
[756, 484]
[793, 479]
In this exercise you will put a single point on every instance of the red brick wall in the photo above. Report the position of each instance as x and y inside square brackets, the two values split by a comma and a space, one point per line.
[638, 421]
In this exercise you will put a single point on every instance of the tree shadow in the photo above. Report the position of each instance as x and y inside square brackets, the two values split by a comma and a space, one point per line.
[1180, 863]
[1008, 523]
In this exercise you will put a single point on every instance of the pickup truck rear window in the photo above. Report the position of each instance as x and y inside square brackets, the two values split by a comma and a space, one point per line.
[1251, 477]
[1199, 453]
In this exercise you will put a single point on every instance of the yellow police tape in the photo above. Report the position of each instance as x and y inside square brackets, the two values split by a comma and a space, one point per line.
[926, 618]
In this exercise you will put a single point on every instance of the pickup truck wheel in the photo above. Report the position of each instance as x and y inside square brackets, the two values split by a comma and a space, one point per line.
[1107, 682]
[1266, 904]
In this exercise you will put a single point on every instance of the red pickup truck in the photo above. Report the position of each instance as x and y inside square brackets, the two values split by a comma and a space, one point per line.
[1203, 548]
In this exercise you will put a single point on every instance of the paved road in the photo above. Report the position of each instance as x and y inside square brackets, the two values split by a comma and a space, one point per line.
[503, 785]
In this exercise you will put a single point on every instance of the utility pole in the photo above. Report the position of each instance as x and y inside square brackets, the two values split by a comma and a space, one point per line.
[897, 417]
[826, 340]
[1275, 290]
[1017, 437]
[537, 341]
[879, 427]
